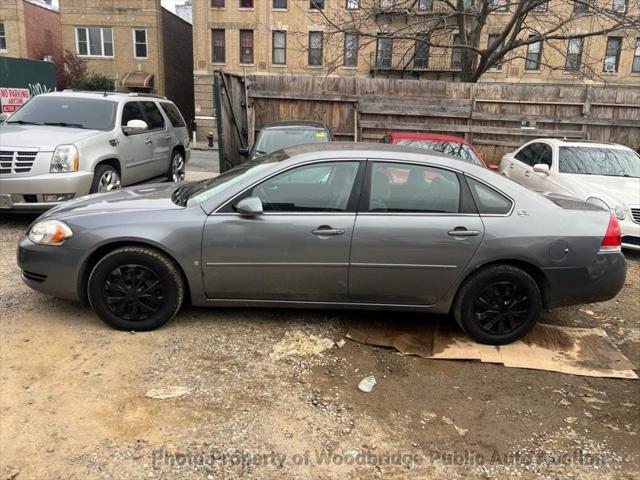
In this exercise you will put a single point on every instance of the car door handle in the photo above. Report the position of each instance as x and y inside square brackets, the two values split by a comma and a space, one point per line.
[148, 141]
[463, 232]
[168, 137]
[327, 230]
[511, 165]
[527, 174]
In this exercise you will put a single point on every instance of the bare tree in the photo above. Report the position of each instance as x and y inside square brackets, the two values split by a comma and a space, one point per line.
[458, 29]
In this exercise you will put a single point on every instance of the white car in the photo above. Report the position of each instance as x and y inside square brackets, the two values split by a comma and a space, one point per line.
[603, 174]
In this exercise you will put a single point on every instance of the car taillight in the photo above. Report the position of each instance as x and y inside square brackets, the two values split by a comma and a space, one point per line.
[613, 238]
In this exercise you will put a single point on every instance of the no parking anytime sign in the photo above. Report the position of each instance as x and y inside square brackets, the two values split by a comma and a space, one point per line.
[11, 99]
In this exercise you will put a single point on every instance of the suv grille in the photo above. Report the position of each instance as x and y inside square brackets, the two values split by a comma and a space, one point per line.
[16, 161]
[635, 214]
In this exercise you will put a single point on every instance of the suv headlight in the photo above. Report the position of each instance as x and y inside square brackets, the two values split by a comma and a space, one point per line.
[65, 159]
[50, 232]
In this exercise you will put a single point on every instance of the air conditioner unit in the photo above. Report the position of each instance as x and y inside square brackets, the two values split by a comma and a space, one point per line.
[609, 68]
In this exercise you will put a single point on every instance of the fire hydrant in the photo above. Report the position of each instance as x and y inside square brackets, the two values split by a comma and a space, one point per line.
[210, 139]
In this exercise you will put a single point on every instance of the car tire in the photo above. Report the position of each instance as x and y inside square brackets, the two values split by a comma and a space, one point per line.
[135, 288]
[177, 167]
[498, 304]
[105, 179]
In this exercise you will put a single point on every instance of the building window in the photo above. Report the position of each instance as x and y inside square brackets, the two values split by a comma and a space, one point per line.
[246, 46]
[280, 4]
[619, 6]
[492, 40]
[425, 5]
[387, 3]
[140, 43]
[541, 7]
[421, 52]
[353, 4]
[3, 38]
[246, 3]
[635, 68]
[500, 5]
[384, 51]
[612, 54]
[574, 54]
[456, 53]
[279, 48]
[217, 3]
[350, 49]
[534, 56]
[218, 45]
[315, 49]
[580, 7]
[316, 4]
[94, 41]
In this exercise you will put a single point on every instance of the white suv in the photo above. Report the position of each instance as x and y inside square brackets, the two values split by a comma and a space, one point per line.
[60, 146]
[603, 174]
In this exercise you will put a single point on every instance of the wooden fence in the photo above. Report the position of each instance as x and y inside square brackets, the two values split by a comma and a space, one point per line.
[496, 117]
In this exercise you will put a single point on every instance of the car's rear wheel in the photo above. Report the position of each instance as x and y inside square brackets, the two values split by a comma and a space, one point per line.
[178, 168]
[498, 304]
[105, 179]
[135, 288]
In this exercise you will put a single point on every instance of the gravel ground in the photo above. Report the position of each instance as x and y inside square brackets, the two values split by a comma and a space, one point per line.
[268, 394]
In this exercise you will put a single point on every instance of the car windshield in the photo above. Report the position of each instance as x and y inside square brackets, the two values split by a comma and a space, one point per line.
[67, 112]
[450, 148]
[610, 162]
[272, 139]
[198, 192]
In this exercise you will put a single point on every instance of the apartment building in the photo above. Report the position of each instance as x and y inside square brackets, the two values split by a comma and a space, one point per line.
[140, 45]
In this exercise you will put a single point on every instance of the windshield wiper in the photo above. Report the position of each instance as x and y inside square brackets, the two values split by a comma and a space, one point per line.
[23, 122]
[64, 124]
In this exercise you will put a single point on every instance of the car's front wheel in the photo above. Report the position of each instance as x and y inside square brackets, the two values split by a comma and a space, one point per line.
[135, 288]
[498, 304]
[105, 179]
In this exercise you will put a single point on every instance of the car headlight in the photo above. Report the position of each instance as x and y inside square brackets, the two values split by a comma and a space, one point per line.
[620, 213]
[65, 159]
[598, 202]
[50, 232]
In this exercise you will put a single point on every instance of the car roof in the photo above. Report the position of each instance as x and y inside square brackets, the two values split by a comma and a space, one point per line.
[295, 124]
[427, 136]
[108, 96]
[563, 142]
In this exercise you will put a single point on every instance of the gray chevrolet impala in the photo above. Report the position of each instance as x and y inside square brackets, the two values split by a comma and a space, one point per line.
[335, 226]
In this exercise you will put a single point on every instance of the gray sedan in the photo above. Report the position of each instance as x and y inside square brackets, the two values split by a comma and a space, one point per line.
[337, 226]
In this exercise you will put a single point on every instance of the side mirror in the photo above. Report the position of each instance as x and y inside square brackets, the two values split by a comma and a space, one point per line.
[135, 126]
[243, 151]
[249, 206]
[541, 168]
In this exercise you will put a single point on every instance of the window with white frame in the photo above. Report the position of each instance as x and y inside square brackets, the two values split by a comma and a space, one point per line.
[279, 48]
[353, 4]
[3, 38]
[574, 54]
[140, 43]
[534, 56]
[612, 55]
[635, 68]
[350, 49]
[541, 7]
[94, 41]
[619, 6]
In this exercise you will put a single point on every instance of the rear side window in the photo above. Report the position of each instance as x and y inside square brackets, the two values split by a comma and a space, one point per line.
[405, 188]
[153, 116]
[131, 111]
[173, 114]
[488, 200]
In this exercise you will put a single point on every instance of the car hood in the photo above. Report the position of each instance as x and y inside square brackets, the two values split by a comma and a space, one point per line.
[614, 191]
[46, 138]
[155, 196]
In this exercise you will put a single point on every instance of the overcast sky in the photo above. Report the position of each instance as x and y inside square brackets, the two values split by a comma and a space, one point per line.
[168, 4]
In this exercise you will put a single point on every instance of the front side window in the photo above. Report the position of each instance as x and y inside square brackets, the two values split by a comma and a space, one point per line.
[546, 154]
[140, 43]
[3, 38]
[612, 54]
[315, 49]
[69, 112]
[319, 187]
[153, 117]
[279, 45]
[246, 46]
[635, 68]
[488, 200]
[350, 49]
[534, 56]
[610, 162]
[529, 154]
[131, 111]
[94, 41]
[574, 54]
[404, 188]
[218, 45]
[173, 114]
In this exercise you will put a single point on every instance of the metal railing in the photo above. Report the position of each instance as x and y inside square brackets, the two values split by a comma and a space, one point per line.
[410, 62]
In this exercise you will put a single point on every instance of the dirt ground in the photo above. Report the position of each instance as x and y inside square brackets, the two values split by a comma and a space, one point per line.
[271, 396]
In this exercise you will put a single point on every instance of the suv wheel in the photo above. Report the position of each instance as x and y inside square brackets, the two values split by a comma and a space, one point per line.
[498, 305]
[177, 169]
[105, 179]
[135, 288]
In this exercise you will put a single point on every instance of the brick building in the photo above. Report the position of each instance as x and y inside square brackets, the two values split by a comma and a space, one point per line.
[140, 45]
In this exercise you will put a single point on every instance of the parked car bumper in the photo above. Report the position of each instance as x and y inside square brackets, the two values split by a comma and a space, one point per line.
[27, 193]
[630, 234]
[598, 282]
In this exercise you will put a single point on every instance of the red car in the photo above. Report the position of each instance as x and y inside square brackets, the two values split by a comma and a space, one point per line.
[455, 146]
